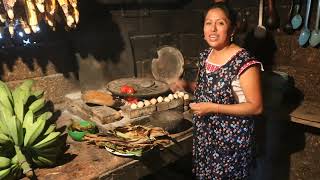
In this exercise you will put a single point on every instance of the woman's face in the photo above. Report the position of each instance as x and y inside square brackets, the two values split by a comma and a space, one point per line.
[217, 29]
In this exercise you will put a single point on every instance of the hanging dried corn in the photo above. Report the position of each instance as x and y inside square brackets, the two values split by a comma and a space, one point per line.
[3, 13]
[8, 6]
[28, 13]
[40, 5]
[31, 15]
[20, 15]
[50, 6]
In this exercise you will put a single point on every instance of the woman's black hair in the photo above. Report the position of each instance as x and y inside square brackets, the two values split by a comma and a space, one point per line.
[228, 11]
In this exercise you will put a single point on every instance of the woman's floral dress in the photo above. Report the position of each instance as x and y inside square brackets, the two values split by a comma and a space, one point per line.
[222, 144]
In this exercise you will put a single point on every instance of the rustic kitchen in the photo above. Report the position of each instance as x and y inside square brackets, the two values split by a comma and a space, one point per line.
[84, 90]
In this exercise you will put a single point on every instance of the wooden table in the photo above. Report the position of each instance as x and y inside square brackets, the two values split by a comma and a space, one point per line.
[308, 113]
[84, 161]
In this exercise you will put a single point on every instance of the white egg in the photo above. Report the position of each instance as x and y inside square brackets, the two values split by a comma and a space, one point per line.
[181, 94]
[186, 96]
[146, 103]
[170, 96]
[176, 96]
[133, 106]
[166, 99]
[140, 104]
[177, 92]
[160, 99]
[153, 101]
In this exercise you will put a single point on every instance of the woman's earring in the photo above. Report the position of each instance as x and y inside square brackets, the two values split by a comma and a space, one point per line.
[231, 38]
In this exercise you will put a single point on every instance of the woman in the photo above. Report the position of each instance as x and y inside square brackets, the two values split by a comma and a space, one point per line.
[227, 95]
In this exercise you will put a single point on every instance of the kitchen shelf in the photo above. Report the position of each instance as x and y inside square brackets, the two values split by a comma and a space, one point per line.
[308, 113]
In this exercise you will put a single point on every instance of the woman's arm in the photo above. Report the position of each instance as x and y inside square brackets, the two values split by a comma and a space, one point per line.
[251, 85]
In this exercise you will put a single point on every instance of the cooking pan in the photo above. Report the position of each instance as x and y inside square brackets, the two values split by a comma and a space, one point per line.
[170, 120]
[144, 87]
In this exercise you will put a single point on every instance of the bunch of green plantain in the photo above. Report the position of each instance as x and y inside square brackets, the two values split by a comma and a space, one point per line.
[27, 137]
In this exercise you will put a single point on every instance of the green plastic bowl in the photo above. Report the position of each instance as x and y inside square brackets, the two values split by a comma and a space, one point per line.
[84, 126]
[77, 135]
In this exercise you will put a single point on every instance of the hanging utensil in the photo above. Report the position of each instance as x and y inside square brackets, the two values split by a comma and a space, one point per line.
[288, 26]
[273, 20]
[296, 21]
[260, 31]
[305, 32]
[315, 35]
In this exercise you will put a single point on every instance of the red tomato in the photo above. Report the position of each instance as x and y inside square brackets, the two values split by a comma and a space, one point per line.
[125, 89]
[132, 100]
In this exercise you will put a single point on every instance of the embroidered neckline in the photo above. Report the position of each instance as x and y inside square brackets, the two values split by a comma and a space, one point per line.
[220, 66]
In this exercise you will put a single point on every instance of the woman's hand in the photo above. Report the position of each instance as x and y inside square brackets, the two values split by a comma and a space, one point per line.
[203, 108]
[179, 85]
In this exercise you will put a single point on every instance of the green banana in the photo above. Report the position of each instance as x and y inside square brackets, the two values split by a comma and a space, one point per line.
[14, 160]
[27, 84]
[18, 94]
[33, 133]
[9, 123]
[37, 105]
[15, 129]
[4, 173]
[23, 90]
[20, 132]
[4, 138]
[16, 172]
[48, 150]
[38, 94]
[28, 120]
[23, 162]
[3, 86]
[50, 129]
[37, 161]
[51, 138]
[19, 109]
[3, 126]
[4, 162]
[5, 100]
[5, 95]
[51, 155]
[45, 116]
[46, 161]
